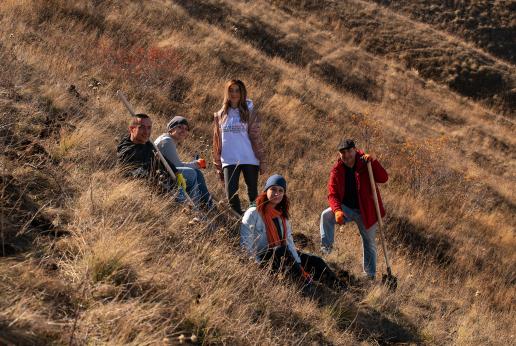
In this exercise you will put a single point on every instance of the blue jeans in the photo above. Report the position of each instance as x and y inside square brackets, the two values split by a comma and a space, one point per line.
[327, 228]
[195, 186]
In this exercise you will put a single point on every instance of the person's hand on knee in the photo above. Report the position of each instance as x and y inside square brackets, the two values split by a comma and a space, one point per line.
[340, 217]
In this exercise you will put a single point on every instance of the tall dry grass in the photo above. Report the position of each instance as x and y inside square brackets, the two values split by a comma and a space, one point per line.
[106, 260]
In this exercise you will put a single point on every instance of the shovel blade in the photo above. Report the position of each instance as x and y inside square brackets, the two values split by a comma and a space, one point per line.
[390, 281]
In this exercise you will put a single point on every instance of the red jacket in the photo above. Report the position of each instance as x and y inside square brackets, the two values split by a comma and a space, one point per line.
[336, 188]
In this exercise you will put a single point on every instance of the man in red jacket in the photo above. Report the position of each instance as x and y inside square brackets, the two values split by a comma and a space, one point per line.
[350, 199]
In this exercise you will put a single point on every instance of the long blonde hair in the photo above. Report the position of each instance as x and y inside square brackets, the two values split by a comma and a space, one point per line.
[242, 103]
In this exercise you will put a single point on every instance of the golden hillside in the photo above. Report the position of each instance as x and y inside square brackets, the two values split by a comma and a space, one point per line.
[88, 257]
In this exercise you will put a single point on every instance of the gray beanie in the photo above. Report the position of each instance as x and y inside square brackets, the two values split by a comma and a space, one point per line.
[177, 120]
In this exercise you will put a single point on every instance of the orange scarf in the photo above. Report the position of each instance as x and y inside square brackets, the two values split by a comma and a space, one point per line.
[268, 215]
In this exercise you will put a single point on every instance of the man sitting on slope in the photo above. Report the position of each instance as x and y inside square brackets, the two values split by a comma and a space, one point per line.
[137, 154]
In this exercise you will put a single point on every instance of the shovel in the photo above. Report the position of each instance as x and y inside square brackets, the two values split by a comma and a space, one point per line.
[122, 98]
[387, 279]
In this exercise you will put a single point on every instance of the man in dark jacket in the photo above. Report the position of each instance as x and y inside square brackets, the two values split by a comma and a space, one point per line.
[138, 155]
[350, 199]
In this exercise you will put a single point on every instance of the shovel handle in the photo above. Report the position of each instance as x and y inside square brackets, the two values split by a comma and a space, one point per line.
[378, 214]
[122, 98]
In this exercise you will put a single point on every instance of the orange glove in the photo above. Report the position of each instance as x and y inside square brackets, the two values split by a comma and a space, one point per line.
[201, 163]
[367, 157]
[339, 217]
[306, 276]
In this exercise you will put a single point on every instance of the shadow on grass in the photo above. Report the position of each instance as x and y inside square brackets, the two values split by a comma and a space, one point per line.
[419, 241]
[11, 335]
[364, 322]
[21, 219]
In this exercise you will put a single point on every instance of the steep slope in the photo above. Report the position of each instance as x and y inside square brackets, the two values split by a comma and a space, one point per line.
[435, 55]
[125, 273]
[488, 24]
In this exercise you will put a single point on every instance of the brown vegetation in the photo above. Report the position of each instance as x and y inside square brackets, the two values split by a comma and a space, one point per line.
[88, 257]
[434, 54]
[488, 24]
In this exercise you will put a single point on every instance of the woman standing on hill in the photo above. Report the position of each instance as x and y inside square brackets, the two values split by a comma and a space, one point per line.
[266, 234]
[237, 144]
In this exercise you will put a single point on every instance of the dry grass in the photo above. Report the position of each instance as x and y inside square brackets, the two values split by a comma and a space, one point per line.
[487, 24]
[89, 257]
[435, 55]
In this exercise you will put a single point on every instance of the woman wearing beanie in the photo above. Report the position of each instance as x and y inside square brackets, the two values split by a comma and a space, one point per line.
[177, 132]
[266, 234]
[237, 144]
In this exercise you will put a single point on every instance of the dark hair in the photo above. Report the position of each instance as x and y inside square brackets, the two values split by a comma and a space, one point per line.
[282, 206]
[138, 116]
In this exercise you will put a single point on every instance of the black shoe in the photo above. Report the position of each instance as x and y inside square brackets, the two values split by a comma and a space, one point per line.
[340, 286]
[308, 290]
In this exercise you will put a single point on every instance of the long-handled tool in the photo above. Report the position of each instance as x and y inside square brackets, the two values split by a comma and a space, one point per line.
[122, 98]
[387, 279]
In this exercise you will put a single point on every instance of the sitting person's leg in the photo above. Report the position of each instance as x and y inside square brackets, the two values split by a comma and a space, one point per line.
[319, 270]
[190, 175]
[277, 257]
[204, 194]
[281, 259]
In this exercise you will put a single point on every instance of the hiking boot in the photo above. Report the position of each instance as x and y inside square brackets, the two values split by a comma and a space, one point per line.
[367, 280]
[326, 250]
[369, 277]
[308, 290]
[208, 206]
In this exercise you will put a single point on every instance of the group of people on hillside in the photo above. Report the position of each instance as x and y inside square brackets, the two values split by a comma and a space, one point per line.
[266, 229]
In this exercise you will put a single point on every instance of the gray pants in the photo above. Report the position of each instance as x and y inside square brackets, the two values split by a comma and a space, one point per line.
[232, 178]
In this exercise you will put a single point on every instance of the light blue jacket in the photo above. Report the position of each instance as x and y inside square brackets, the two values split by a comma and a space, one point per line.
[253, 235]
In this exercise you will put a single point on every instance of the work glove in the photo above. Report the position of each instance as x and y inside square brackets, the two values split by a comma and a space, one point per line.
[307, 277]
[201, 163]
[367, 158]
[181, 181]
[339, 217]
